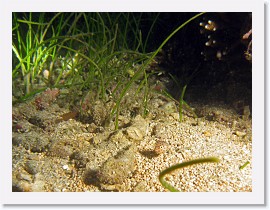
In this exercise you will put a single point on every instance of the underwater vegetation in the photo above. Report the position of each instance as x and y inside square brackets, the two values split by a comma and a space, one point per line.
[94, 60]
[182, 165]
[83, 51]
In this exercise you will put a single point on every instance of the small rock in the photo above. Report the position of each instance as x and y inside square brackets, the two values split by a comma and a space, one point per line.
[119, 138]
[22, 186]
[38, 186]
[240, 134]
[65, 167]
[32, 167]
[134, 133]
[98, 139]
[62, 148]
[118, 168]
[34, 141]
[80, 159]
[141, 187]
[24, 176]
[100, 113]
[138, 128]
[169, 107]
[207, 134]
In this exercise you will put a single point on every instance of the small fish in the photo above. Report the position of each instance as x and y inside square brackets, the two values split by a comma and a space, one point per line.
[67, 116]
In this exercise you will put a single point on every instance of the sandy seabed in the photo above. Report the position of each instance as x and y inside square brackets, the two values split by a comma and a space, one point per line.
[54, 151]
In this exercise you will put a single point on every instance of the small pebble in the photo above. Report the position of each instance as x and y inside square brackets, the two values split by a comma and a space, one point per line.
[240, 134]
[65, 167]
[32, 167]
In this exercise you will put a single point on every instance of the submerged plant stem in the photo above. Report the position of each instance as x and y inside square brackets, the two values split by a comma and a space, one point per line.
[142, 68]
[181, 102]
[243, 166]
[182, 165]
